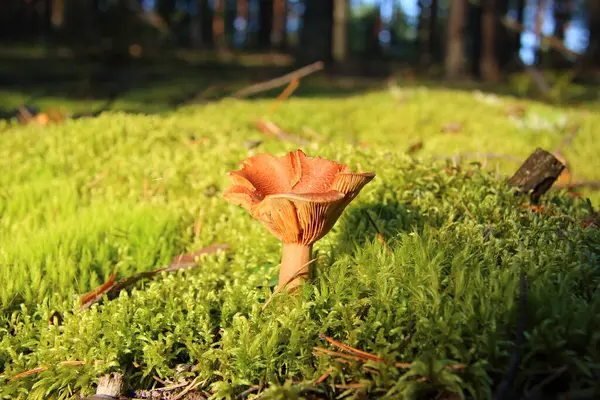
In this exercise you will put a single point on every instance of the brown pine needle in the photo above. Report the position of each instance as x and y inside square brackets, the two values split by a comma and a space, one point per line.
[322, 378]
[337, 354]
[27, 373]
[98, 178]
[42, 369]
[351, 386]
[351, 350]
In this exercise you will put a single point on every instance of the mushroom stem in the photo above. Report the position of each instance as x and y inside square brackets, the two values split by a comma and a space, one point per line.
[295, 265]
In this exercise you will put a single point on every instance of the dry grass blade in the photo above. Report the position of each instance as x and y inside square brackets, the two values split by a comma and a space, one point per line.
[277, 82]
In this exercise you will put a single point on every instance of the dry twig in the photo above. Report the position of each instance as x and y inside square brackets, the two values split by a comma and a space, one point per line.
[277, 82]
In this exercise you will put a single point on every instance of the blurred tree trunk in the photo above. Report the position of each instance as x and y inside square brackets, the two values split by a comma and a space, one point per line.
[317, 31]
[428, 37]
[196, 25]
[241, 37]
[490, 71]
[279, 25]
[455, 48]
[562, 14]
[340, 30]
[206, 22]
[373, 48]
[265, 23]
[504, 49]
[433, 32]
[475, 39]
[514, 37]
[592, 56]
[218, 25]
[57, 15]
[166, 8]
[539, 23]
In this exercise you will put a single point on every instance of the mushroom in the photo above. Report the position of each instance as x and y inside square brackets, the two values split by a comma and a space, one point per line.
[298, 199]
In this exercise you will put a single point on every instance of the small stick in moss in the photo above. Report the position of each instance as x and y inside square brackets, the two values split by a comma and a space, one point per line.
[277, 82]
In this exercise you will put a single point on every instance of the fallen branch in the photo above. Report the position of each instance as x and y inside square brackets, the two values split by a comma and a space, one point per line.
[277, 82]
[111, 287]
[287, 92]
[505, 387]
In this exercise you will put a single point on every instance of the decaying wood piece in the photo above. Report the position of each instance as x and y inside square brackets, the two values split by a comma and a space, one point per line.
[109, 387]
[537, 174]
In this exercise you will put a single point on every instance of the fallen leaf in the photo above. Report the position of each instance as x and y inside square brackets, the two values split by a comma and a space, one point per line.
[516, 110]
[452, 128]
[415, 147]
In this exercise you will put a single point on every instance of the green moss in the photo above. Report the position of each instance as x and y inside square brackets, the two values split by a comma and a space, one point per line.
[122, 193]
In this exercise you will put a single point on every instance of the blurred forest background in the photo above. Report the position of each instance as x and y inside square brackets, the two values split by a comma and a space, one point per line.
[482, 39]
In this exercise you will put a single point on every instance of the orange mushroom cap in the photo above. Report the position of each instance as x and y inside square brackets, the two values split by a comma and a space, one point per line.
[297, 198]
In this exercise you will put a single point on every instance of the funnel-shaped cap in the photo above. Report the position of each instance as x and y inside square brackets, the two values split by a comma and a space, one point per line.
[297, 198]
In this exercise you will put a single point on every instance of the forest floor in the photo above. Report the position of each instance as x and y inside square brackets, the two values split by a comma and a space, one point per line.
[425, 271]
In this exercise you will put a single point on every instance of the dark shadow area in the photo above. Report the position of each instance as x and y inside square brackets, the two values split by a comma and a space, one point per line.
[365, 222]
[86, 87]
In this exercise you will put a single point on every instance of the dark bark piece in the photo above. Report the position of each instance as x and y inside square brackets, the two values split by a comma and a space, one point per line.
[537, 174]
